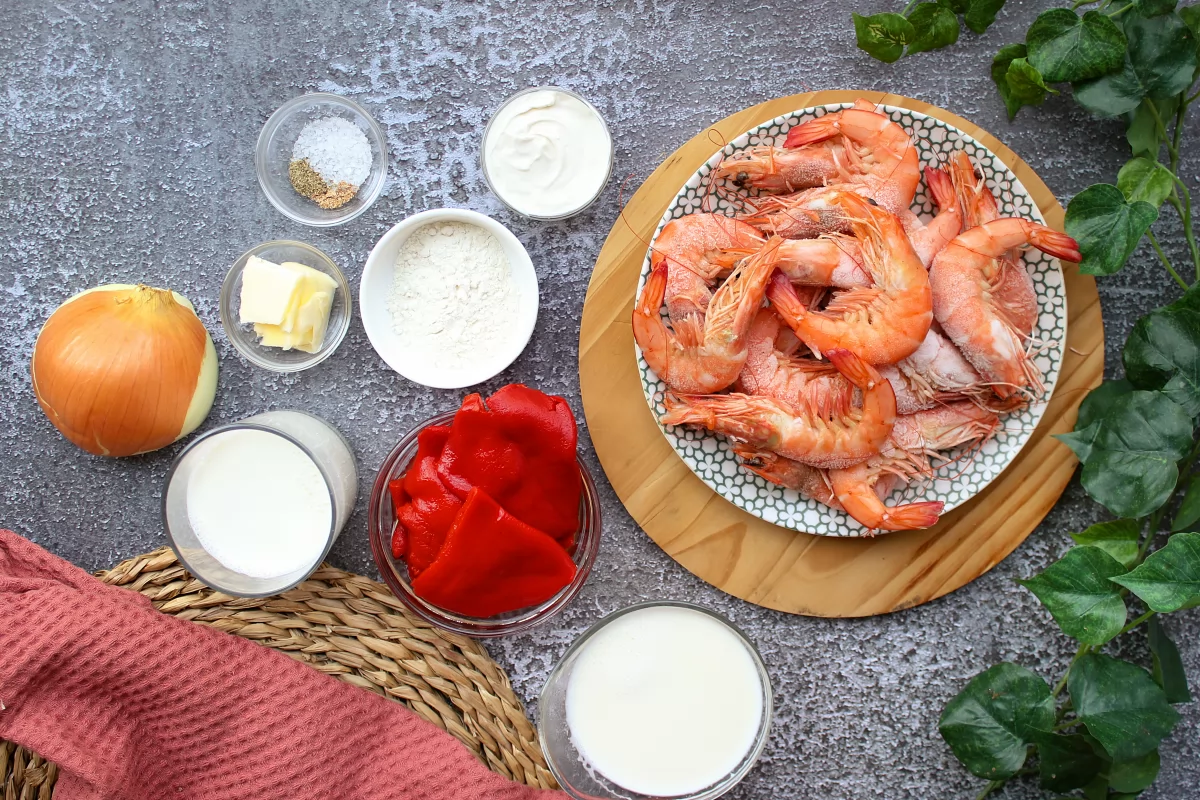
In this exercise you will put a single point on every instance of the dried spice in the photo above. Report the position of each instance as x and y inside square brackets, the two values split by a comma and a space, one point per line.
[308, 182]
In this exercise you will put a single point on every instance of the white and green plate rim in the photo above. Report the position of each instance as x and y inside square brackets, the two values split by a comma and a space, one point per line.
[710, 456]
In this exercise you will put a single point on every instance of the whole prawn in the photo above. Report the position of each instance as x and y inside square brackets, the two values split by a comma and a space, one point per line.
[692, 248]
[801, 434]
[882, 323]
[964, 278]
[703, 355]
[797, 383]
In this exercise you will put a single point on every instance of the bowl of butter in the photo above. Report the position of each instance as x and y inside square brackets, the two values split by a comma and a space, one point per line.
[285, 306]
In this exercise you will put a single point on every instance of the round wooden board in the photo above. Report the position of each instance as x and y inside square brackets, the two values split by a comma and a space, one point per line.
[772, 566]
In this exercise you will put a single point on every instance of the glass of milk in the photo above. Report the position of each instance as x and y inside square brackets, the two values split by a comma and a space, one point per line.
[252, 508]
[658, 700]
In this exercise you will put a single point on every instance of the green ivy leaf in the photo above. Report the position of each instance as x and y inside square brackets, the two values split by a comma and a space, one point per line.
[1065, 47]
[1152, 8]
[1122, 707]
[1142, 133]
[1135, 775]
[1066, 761]
[957, 6]
[1099, 400]
[1077, 592]
[1130, 455]
[883, 35]
[1026, 84]
[1191, 17]
[1112, 95]
[1168, 666]
[991, 721]
[1000, 64]
[1118, 538]
[1162, 51]
[1163, 352]
[1189, 509]
[1189, 300]
[1143, 179]
[980, 14]
[1107, 227]
[935, 26]
[1169, 579]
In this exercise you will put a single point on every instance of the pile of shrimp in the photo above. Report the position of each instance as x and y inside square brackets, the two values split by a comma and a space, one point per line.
[842, 344]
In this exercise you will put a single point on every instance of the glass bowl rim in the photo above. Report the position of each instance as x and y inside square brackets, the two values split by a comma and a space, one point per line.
[277, 118]
[587, 546]
[251, 426]
[712, 791]
[225, 308]
[487, 178]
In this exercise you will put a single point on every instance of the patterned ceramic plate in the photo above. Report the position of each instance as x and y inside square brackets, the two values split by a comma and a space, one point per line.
[709, 455]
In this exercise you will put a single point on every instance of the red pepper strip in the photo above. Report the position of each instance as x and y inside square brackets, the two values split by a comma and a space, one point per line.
[429, 515]
[521, 452]
[399, 541]
[493, 563]
[396, 490]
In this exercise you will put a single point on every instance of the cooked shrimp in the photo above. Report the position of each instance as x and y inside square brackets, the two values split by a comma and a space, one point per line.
[935, 374]
[855, 489]
[964, 277]
[928, 239]
[881, 324]
[809, 481]
[703, 355]
[1014, 292]
[829, 261]
[879, 154]
[943, 428]
[803, 435]
[797, 383]
[691, 247]
[774, 169]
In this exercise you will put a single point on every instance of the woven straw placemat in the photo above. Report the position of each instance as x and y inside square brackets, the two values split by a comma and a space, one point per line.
[349, 627]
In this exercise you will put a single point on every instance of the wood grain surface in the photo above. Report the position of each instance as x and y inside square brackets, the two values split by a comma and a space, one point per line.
[776, 567]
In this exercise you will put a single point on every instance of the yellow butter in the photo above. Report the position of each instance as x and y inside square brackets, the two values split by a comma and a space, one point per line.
[303, 316]
[267, 291]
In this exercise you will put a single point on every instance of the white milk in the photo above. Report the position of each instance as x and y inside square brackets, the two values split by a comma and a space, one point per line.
[664, 701]
[258, 504]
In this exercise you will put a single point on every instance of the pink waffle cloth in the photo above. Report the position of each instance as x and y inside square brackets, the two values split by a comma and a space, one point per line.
[138, 705]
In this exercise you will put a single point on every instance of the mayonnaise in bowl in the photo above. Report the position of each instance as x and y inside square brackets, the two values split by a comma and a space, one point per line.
[547, 153]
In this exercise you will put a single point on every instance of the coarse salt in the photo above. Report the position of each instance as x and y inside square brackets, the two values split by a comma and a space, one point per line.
[336, 149]
[454, 301]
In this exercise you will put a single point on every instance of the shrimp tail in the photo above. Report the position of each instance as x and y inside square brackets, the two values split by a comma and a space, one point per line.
[941, 187]
[783, 296]
[735, 415]
[854, 369]
[816, 130]
[911, 517]
[1055, 243]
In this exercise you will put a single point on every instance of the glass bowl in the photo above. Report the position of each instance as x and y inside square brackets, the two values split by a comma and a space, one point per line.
[273, 154]
[381, 519]
[572, 771]
[612, 154]
[243, 337]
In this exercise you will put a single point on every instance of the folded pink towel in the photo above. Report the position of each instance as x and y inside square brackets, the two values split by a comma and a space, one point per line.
[135, 704]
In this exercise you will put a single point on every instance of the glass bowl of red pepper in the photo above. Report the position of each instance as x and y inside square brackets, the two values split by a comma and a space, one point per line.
[484, 521]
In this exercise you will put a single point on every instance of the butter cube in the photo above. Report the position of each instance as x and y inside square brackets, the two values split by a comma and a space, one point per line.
[268, 291]
[313, 318]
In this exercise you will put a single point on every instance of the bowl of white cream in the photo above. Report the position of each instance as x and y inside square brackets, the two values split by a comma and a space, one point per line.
[449, 298]
[547, 153]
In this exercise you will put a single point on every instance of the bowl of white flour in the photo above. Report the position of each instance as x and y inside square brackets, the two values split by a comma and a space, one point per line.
[449, 298]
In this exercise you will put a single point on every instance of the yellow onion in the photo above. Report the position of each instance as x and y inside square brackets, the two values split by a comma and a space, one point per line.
[123, 369]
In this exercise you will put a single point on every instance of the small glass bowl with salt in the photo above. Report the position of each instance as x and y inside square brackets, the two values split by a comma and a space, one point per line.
[329, 146]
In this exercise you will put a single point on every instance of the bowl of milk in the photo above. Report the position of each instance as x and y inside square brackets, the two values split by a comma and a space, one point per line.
[659, 700]
[252, 508]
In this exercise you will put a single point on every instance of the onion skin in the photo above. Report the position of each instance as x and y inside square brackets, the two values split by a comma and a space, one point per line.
[122, 370]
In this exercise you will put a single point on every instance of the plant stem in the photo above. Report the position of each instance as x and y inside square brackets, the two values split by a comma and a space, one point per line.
[991, 787]
[1062, 684]
[1163, 257]
[1181, 190]
[1062, 726]
[1121, 11]
[1079, 3]
[908, 8]
[1136, 622]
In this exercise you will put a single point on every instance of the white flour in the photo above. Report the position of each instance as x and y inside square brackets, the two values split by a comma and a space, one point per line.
[454, 300]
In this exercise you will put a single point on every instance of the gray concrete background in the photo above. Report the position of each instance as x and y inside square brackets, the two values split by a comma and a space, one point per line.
[126, 139]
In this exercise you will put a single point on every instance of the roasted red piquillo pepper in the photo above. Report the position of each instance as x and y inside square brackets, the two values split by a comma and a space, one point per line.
[429, 508]
[492, 562]
[520, 449]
